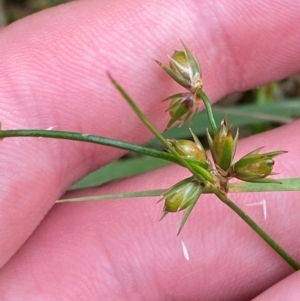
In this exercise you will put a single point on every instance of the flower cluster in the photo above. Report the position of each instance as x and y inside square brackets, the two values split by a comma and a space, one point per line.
[185, 70]
[253, 167]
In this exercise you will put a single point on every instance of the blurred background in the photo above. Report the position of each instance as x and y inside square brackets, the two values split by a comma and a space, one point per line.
[252, 111]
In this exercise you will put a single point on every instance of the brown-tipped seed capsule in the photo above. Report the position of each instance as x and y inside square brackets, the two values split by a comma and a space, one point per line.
[183, 107]
[255, 167]
[223, 146]
[184, 69]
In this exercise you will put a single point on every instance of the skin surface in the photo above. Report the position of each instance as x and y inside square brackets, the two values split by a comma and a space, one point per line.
[53, 73]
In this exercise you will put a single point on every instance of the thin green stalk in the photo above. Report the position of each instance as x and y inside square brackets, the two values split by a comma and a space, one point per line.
[135, 194]
[91, 139]
[237, 209]
[200, 173]
[209, 111]
[288, 184]
[280, 251]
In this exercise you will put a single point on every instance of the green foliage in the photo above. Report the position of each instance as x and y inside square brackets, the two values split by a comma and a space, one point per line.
[16, 9]
[122, 168]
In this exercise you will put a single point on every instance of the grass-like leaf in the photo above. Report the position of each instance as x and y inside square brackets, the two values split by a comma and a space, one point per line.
[288, 184]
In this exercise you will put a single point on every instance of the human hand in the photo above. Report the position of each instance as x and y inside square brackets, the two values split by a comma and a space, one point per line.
[53, 67]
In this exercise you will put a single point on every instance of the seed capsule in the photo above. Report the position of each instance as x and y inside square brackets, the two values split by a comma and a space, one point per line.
[183, 195]
[185, 69]
[255, 167]
[192, 150]
[223, 146]
[183, 107]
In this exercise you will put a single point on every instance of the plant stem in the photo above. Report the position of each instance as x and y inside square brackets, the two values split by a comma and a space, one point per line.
[209, 111]
[89, 138]
[201, 173]
[292, 184]
[280, 251]
[237, 209]
[135, 194]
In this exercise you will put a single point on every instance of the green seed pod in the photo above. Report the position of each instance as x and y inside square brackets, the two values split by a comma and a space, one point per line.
[189, 149]
[183, 195]
[223, 146]
[255, 167]
[179, 64]
[192, 150]
[184, 69]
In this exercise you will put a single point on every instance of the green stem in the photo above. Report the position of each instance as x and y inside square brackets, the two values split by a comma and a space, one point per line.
[237, 209]
[222, 197]
[234, 187]
[209, 111]
[280, 251]
[135, 194]
[89, 138]
[200, 173]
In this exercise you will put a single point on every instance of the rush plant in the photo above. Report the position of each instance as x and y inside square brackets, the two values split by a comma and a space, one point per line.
[207, 176]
